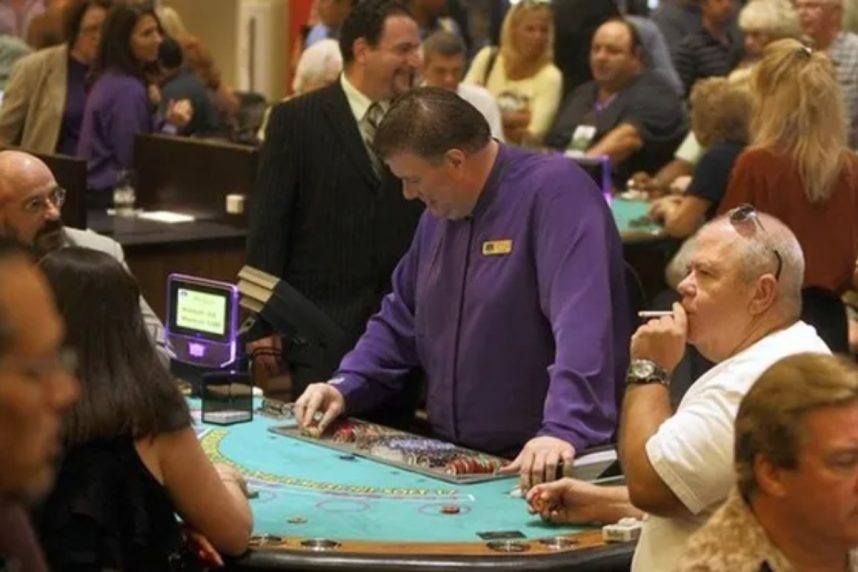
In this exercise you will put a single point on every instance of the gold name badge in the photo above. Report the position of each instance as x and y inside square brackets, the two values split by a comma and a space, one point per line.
[497, 247]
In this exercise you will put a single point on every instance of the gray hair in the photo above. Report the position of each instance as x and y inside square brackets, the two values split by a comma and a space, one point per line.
[320, 64]
[757, 257]
[443, 43]
[776, 18]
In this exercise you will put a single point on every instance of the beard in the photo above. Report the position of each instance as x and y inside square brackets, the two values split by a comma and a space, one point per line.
[48, 238]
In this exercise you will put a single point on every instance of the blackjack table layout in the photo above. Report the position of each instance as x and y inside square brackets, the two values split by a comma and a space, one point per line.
[320, 508]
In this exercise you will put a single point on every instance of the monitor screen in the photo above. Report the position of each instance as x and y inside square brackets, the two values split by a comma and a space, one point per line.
[200, 309]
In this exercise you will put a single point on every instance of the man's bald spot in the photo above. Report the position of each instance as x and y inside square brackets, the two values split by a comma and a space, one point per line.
[21, 173]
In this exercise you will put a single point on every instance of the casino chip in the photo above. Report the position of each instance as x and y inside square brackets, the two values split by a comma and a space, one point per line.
[450, 509]
[297, 520]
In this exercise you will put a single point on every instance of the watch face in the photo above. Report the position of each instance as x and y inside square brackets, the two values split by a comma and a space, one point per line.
[643, 369]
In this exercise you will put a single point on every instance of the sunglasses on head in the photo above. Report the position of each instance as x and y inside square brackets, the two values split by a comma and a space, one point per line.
[745, 215]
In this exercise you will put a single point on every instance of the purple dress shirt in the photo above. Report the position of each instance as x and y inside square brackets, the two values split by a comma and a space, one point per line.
[517, 314]
[117, 109]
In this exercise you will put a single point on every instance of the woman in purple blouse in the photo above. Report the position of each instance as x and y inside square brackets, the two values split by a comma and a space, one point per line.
[119, 106]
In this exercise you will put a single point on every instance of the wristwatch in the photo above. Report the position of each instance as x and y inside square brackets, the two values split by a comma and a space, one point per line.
[643, 371]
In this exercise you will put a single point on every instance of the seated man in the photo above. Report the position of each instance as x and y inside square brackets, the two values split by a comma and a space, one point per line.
[30, 202]
[444, 62]
[628, 113]
[796, 466]
[35, 388]
[510, 298]
[740, 308]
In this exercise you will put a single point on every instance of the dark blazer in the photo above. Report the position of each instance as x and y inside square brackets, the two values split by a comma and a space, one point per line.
[321, 218]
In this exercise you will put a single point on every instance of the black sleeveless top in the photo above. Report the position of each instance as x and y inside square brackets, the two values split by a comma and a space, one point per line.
[107, 511]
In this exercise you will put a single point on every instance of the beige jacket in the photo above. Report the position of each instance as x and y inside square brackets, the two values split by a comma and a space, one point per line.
[733, 540]
[35, 100]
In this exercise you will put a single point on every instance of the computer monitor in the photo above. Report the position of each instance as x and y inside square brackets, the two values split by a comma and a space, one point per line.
[202, 321]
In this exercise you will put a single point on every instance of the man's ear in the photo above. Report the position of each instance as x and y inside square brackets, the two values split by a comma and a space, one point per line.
[360, 49]
[765, 294]
[769, 477]
[455, 158]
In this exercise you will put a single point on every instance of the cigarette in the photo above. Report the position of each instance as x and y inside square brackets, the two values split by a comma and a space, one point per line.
[654, 313]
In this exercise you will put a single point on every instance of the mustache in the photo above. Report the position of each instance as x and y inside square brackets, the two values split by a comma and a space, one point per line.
[50, 227]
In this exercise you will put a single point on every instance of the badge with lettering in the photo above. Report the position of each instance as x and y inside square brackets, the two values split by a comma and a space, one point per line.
[497, 247]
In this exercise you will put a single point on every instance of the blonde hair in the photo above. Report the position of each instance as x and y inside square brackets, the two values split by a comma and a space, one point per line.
[800, 112]
[720, 110]
[172, 22]
[776, 18]
[769, 422]
[516, 65]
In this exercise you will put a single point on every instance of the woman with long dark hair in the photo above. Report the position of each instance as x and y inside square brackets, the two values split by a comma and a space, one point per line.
[119, 106]
[132, 458]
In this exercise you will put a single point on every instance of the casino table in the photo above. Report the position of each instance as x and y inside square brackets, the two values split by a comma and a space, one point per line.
[632, 222]
[316, 509]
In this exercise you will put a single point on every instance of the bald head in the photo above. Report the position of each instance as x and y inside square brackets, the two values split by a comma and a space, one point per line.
[21, 173]
[29, 207]
[756, 245]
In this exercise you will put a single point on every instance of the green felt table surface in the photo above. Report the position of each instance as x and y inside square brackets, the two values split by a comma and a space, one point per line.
[360, 499]
[629, 215]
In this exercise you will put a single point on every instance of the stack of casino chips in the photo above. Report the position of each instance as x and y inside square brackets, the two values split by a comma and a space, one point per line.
[363, 435]
[470, 464]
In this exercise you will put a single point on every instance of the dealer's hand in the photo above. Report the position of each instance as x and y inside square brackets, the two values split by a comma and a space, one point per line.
[323, 398]
[571, 501]
[538, 460]
[662, 340]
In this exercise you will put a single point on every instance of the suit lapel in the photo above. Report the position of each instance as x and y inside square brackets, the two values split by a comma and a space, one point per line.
[341, 120]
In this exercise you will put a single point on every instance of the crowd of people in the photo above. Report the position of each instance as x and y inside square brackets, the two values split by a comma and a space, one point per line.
[459, 247]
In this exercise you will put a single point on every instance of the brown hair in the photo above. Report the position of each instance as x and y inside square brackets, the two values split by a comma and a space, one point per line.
[720, 110]
[429, 121]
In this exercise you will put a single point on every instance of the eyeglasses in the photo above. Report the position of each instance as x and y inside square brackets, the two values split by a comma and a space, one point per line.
[37, 368]
[746, 214]
[56, 197]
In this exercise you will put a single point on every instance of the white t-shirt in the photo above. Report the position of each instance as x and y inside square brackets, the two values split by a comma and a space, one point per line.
[692, 451]
[484, 101]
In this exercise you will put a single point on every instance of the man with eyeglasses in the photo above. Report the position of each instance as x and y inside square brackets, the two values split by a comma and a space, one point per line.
[35, 388]
[740, 307]
[822, 22]
[30, 203]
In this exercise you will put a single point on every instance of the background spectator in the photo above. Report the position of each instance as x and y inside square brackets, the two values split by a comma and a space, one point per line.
[46, 96]
[630, 114]
[444, 61]
[712, 50]
[800, 169]
[822, 22]
[720, 110]
[181, 83]
[118, 106]
[763, 22]
[520, 73]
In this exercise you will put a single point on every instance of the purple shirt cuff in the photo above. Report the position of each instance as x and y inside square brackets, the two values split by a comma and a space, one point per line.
[357, 392]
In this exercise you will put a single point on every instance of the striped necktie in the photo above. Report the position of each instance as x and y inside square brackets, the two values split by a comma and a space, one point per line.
[371, 119]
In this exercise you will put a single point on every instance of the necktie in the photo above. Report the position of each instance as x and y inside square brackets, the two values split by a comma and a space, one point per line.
[372, 118]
